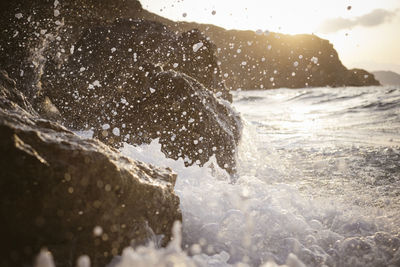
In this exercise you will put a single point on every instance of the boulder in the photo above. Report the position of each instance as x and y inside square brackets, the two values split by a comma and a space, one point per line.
[71, 195]
[82, 70]
[134, 81]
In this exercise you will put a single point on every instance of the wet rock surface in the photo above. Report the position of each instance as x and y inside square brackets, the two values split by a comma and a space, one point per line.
[99, 71]
[71, 195]
[130, 82]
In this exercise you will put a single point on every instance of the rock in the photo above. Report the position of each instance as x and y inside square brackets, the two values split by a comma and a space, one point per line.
[122, 86]
[197, 57]
[29, 50]
[71, 195]
[96, 58]
[140, 42]
[31, 34]
[12, 98]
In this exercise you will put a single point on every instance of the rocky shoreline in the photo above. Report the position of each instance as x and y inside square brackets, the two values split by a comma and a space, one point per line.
[128, 76]
[71, 195]
[127, 80]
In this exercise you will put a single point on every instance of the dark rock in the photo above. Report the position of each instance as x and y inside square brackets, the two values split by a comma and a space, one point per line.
[140, 42]
[115, 84]
[10, 97]
[77, 52]
[56, 188]
[197, 57]
[30, 50]
[32, 34]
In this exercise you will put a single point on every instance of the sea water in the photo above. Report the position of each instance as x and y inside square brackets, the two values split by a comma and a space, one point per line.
[319, 185]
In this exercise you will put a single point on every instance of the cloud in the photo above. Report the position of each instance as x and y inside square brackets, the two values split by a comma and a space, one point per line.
[375, 18]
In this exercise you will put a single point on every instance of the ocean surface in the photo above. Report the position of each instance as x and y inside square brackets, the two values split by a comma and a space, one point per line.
[319, 185]
[338, 142]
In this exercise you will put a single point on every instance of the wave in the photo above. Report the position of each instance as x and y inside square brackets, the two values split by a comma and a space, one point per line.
[379, 105]
[332, 98]
[264, 216]
[249, 99]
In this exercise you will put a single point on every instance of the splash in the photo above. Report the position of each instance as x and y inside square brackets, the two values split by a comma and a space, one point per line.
[264, 218]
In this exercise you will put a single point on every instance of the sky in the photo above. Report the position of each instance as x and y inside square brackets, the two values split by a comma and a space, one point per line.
[366, 33]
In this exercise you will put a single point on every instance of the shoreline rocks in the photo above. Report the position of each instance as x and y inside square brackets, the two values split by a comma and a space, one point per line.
[134, 81]
[71, 195]
[128, 80]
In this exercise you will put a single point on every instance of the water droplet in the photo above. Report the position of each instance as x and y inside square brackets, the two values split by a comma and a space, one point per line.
[98, 231]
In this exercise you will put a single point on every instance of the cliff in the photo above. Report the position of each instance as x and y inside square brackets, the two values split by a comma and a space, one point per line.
[253, 60]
